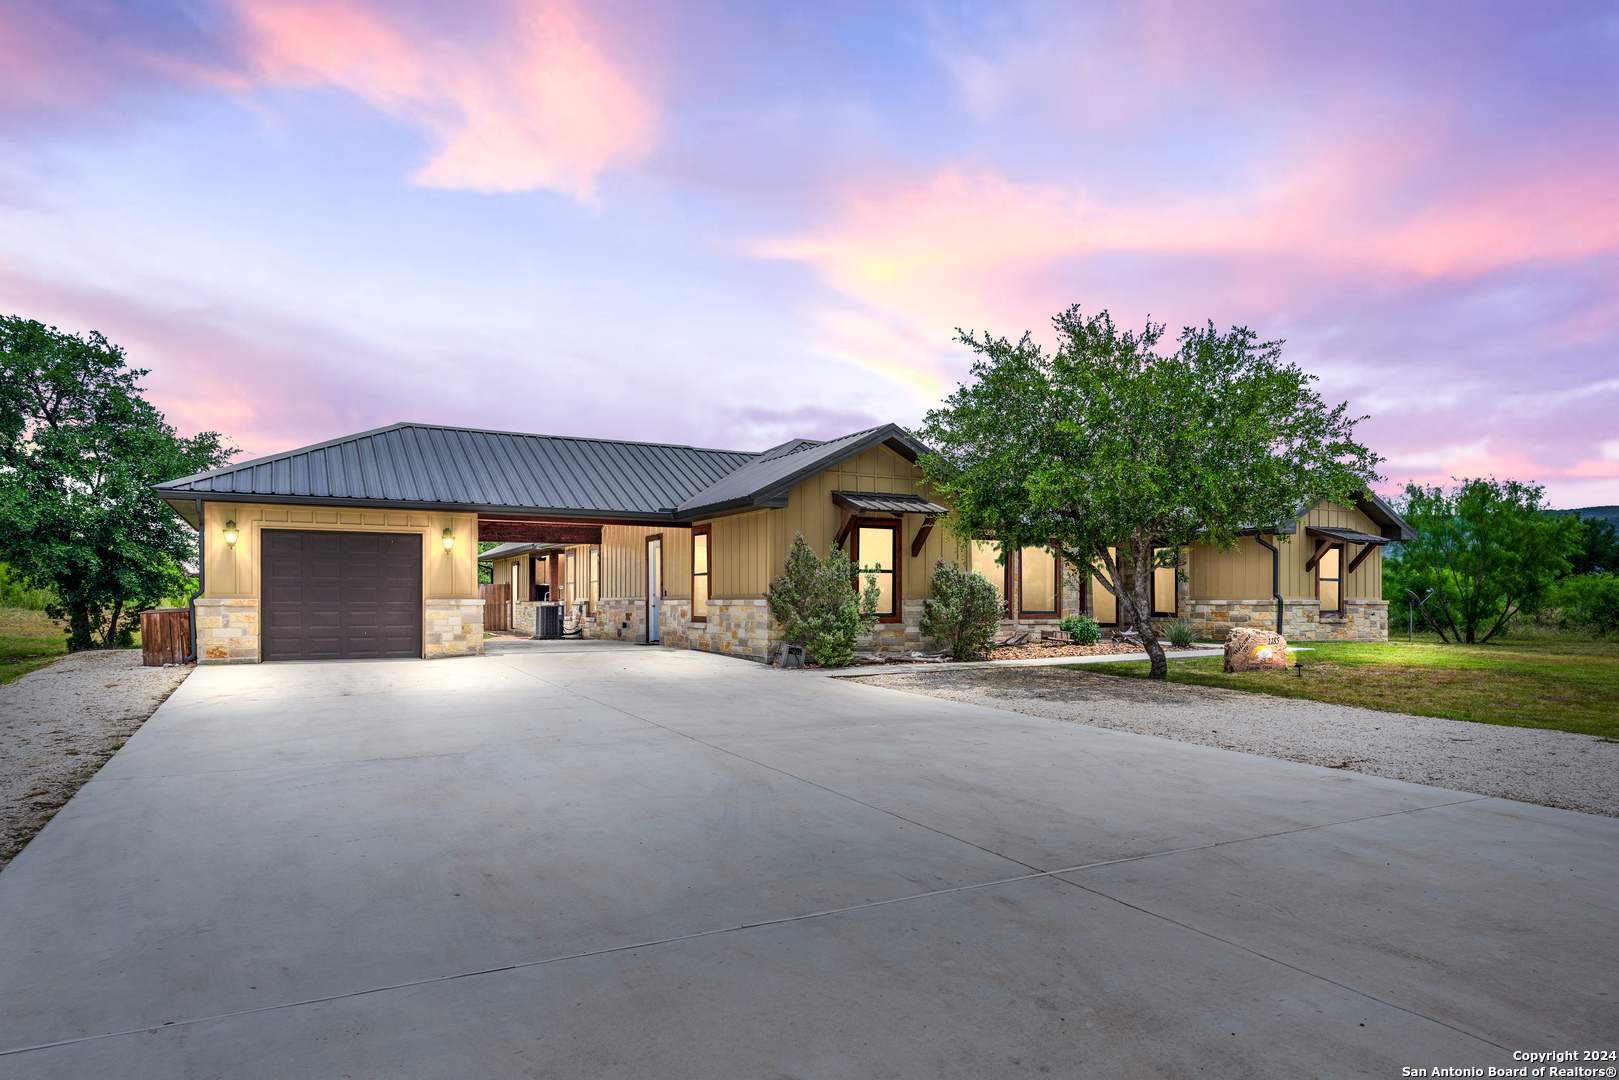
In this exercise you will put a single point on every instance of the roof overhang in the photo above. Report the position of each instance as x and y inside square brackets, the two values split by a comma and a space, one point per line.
[1345, 536]
[862, 502]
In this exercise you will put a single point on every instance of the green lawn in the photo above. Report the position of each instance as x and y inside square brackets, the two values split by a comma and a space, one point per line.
[1544, 682]
[28, 640]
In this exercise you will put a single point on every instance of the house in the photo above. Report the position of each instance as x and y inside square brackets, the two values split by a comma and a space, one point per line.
[367, 546]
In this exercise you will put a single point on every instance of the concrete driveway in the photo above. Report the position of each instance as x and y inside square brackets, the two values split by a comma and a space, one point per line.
[608, 861]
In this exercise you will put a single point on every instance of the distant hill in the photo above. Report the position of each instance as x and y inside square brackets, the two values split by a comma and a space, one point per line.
[1606, 513]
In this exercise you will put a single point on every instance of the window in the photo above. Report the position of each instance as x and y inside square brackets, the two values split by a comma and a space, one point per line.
[699, 574]
[876, 553]
[569, 585]
[1040, 582]
[1328, 583]
[984, 554]
[1107, 605]
[595, 577]
[1163, 586]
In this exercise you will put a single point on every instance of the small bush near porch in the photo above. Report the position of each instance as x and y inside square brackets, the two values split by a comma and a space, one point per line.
[1555, 682]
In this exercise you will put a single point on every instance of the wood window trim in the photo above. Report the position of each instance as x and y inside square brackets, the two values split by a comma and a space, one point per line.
[708, 584]
[593, 578]
[893, 527]
[1056, 599]
[1342, 574]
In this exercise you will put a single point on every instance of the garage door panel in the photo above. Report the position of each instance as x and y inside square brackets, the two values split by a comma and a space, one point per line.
[339, 595]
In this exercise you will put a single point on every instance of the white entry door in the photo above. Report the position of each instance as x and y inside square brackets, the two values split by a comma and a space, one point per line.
[654, 589]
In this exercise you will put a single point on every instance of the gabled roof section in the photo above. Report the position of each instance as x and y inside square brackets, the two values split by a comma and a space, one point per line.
[1392, 526]
[430, 466]
[765, 480]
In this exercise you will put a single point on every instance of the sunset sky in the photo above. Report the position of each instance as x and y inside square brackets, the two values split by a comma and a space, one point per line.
[729, 224]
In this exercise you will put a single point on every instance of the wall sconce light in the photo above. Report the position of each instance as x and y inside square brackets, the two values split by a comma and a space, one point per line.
[230, 533]
[449, 540]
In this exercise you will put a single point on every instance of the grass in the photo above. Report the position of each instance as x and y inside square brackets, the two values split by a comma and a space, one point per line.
[28, 640]
[1541, 681]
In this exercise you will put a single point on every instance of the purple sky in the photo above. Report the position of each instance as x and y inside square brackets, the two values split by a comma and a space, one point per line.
[731, 225]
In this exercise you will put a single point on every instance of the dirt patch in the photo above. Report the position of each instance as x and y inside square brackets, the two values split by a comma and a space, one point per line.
[60, 724]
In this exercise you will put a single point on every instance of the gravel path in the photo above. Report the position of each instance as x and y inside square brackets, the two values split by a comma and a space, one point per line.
[1553, 768]
[59, 724]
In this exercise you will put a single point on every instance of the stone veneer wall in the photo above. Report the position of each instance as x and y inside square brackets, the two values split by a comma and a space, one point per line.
[453, 628]
[734, 627]
[1363, 620]
[622, 619]
[228, 631]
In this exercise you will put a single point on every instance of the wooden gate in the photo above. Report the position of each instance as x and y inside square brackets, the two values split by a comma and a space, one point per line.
[497, 606]
[165, 636]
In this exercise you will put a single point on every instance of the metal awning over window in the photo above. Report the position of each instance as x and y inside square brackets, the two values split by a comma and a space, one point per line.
[1344, 536]
[867, 502]
[1328, 535]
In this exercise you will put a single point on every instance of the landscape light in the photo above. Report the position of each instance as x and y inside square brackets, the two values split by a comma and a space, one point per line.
[230, 533]
[449, 540]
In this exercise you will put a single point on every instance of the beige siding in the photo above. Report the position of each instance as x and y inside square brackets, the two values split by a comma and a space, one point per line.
[1245, 574]
[233, 573]
[810, 511]
[624, 560]
[740, 564]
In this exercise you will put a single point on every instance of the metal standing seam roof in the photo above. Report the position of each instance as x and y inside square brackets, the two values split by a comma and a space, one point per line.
[766, 479]
[419, 464]
[887, 503]
[1349, 536]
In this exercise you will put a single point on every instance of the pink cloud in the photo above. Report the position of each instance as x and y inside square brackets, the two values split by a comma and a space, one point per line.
[537, 105]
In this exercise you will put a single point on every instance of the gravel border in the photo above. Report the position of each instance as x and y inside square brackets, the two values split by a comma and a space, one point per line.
[60, 724]
[1552, 768]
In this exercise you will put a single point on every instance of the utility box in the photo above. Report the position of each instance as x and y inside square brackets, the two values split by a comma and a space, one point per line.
[547, 622]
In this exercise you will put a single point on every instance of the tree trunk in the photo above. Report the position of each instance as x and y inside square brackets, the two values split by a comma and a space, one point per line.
[109, 637]
[1141, 605]
[79, 637]
[1014, 588]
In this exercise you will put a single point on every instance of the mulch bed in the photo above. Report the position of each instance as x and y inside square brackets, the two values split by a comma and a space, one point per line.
[1034, 650]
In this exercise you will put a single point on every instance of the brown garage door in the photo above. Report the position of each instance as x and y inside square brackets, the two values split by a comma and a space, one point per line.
[341, 595]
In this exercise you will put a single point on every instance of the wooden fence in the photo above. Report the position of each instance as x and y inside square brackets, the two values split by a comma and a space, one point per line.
[165, 636]
[497, 606]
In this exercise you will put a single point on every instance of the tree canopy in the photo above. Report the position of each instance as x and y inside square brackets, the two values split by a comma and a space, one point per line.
[1109, 443]
[1486, 549]
[80, 450]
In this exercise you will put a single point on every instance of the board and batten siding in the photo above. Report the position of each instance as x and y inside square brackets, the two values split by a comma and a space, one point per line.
[811, 511]
[739, 549]
[233, 572]
[1245, 574]
[624, 561]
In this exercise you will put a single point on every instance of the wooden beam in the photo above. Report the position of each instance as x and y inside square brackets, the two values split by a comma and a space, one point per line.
[922, 535]
[849, 518]
[1321, 547]
[1361, 557]
[539, 532]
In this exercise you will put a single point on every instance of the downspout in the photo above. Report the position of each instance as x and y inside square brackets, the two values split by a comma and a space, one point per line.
[191, 605]
[1275, 577]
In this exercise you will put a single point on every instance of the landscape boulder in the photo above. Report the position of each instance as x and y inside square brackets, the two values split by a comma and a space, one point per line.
[1255, 650]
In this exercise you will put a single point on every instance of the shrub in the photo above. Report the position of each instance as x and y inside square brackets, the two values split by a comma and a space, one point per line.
[1587, 602]
[1180, 632]
[1082, 628]
[814, 603]
[16, 593]
[965, 611]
